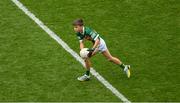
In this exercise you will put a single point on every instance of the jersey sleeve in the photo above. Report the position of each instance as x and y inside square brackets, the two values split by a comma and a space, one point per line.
[94, 35]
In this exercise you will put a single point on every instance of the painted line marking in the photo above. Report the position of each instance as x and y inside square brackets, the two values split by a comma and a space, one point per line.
[68, 49]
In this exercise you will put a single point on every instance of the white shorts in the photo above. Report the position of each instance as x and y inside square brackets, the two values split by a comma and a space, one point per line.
[102, 46]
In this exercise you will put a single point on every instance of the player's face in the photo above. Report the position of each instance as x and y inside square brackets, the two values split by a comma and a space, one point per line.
[77, 28]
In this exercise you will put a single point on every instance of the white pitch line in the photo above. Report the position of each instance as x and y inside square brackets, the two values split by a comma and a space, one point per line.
[68, 49]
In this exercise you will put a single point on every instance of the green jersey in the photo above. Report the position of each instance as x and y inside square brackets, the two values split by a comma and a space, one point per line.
[88, 34]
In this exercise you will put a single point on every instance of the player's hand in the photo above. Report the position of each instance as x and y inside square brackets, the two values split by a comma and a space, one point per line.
[91, 50]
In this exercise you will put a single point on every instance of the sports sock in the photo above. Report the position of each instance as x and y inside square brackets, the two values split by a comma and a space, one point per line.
[87, 72]
[122, 66]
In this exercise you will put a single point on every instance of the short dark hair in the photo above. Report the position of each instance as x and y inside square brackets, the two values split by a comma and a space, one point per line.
[78, 22]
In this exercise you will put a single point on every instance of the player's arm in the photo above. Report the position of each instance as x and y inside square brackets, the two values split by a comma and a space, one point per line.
[81, 44]
[95, 37]
[97, 41]
[93, 50]
[81, 41]
[95, 46]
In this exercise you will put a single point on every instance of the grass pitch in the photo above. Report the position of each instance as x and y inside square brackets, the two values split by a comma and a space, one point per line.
[145, 34]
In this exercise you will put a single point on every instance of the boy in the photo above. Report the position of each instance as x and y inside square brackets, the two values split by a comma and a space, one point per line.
[85, 33]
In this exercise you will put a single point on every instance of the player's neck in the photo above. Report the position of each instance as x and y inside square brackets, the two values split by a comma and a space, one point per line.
[82, 30]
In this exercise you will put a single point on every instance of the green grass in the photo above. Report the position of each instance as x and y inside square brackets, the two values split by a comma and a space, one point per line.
[34, 68]
[142, 33]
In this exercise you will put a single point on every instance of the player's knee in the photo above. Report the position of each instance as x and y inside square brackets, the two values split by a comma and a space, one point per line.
[85, 60]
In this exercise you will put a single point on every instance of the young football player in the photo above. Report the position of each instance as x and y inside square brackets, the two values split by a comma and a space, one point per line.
[85, 33]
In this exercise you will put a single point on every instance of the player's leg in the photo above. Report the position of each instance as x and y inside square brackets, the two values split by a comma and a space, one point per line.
[87, 61]
[117, 61]
[86, 76]
[111, 58]
[88, 66]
